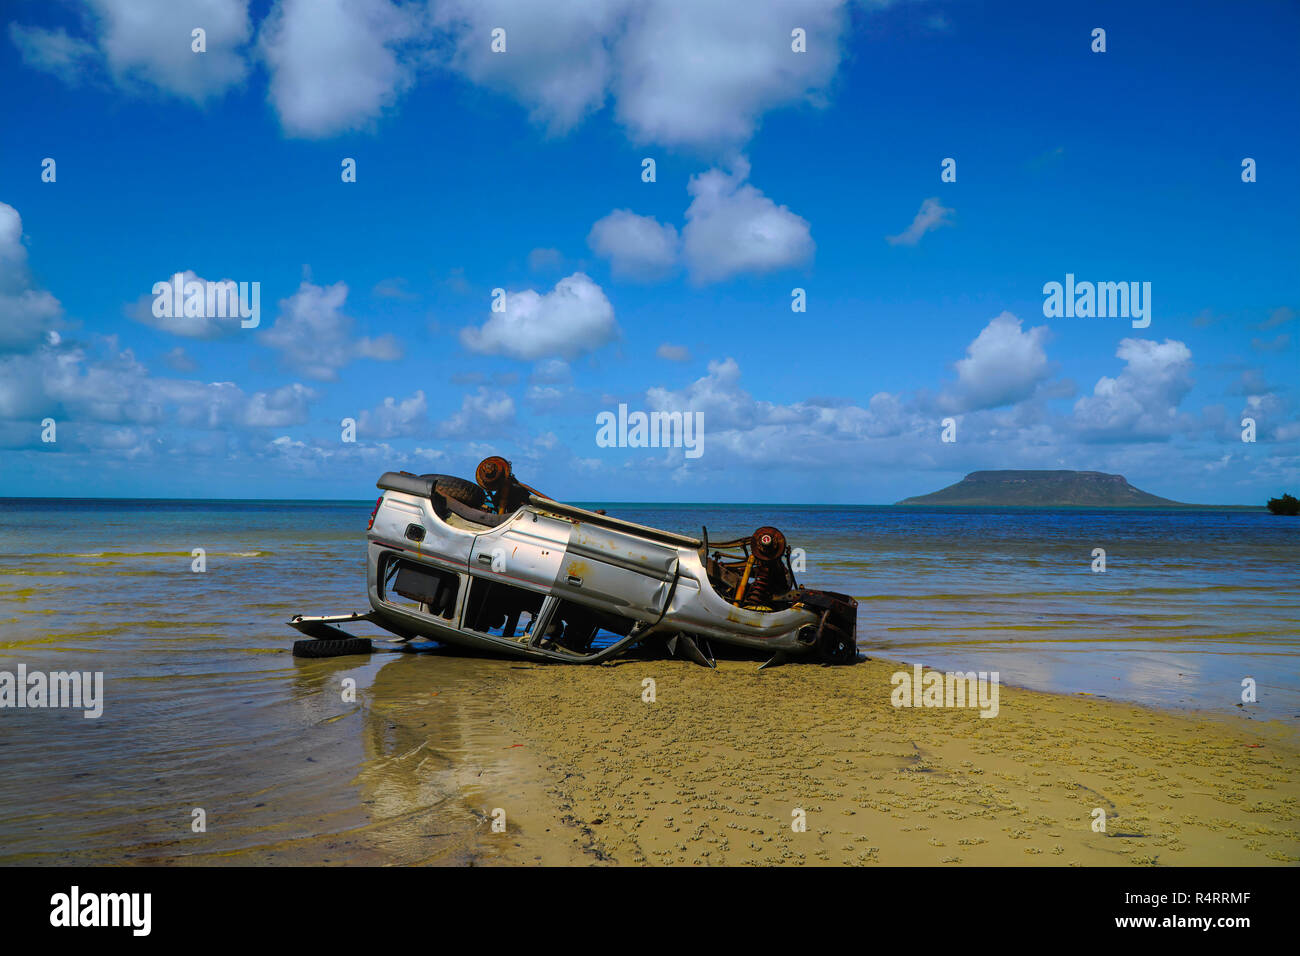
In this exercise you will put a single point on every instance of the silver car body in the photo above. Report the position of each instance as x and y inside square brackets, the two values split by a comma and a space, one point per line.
[549, 559]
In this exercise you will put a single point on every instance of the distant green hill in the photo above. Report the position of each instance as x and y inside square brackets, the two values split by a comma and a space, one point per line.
[1044, 489]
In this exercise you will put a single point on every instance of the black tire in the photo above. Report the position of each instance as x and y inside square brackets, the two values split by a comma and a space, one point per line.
[331, 647]
[458, 489]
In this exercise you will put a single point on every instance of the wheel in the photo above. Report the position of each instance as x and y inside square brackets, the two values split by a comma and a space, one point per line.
[331, 647]
[466, 492]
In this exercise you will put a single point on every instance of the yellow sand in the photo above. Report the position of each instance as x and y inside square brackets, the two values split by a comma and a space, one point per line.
[713, 771]
[581, 770]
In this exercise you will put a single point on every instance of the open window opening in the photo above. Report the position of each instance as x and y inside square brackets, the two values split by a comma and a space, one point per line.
[421, 588]
[501, 610]
[585, 630]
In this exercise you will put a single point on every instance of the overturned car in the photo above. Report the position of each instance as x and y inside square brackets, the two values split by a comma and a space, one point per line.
[494, 565]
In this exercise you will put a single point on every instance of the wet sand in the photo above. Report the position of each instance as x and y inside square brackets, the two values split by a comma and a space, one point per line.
[712, 772]
[421, 761]
[437, 745]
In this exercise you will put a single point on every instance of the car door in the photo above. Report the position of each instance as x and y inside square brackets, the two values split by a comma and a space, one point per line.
[525, 551]
[617, 572]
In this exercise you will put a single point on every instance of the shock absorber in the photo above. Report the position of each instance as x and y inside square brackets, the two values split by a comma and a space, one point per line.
[763, 571]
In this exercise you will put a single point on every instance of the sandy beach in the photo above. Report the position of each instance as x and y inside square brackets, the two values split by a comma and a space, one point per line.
[582, 770]
[712, 772]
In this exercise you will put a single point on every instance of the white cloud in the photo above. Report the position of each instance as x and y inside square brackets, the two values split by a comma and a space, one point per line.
[13, 255]
[485, 412]
[149, 41]
[701, 74]
[395, 418]
[1003, 365]
[732, 228]
[570, 320]
[147, 45]
[192, 327]
[315, 337]
[673, 353]
[717, 394]
[310, 457]
[812, 434]
[178, 360]
[821, 444]
[54, 51]
[728, 407]
[1141, 403]
[1275, 420]
[28, 316]
[697, 74]
[286, 405]
[931, 216]
[546, 397]
[113, 388]
[557, 60]
[336, 64]
[552, 372]
[636, 246]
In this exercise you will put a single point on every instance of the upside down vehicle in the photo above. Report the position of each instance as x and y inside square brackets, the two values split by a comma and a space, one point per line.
[494, 565]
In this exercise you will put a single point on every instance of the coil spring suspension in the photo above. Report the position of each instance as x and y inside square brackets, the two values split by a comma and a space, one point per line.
[763, 581]
[763, 571]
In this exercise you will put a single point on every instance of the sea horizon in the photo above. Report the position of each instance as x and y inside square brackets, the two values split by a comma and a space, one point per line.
[680, 504]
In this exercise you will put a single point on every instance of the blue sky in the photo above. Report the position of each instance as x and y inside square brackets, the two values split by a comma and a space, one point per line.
[521, 171]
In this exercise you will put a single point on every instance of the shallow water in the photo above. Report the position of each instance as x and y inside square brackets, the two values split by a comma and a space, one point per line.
[1190, 603]
[205, 708]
